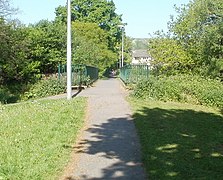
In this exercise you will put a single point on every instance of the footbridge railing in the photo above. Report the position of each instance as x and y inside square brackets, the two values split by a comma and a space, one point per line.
[134, 73]
[81, 74]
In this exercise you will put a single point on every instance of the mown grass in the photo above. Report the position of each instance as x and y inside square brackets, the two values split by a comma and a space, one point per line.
[179, 141]
[36, 137]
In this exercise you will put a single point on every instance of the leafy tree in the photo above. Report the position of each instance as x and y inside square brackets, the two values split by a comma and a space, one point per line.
[194, 42]
[169, 56]
[6, 9]
[127, 50]
[198, 28]
[15, 66]
[90, 45]
[101, 12]
[47, 45]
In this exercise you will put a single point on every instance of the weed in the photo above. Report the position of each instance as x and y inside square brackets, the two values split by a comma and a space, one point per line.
[182, 88]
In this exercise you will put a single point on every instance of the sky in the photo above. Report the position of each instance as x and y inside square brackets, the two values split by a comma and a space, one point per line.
[143, 17]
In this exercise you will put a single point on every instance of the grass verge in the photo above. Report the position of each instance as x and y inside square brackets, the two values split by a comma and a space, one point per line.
[36, 137]
[181, 88]
[179, 141]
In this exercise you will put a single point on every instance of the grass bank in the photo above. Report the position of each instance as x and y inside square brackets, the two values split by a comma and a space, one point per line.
[181, 88]
[36, 137]
[179, 141]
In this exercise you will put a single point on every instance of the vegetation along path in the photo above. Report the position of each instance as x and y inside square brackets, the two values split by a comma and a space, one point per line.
[109, 147]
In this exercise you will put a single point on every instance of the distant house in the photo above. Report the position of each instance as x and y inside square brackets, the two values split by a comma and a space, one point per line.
[141, 57]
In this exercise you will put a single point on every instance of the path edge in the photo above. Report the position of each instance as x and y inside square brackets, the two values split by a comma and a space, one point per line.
[66, 173]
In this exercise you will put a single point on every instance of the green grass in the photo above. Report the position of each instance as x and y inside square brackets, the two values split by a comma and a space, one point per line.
[179, 141]
[36, 137]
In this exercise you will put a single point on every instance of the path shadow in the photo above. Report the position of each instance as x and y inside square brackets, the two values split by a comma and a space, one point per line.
[181, 144]
[115, 140]
[78, 92]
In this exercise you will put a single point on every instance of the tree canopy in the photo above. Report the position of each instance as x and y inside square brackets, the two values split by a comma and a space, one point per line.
[6, 9]
[199, 30]
[169, 56]
[90, 45]
[198, 33]
[27, 52]
[100, 12]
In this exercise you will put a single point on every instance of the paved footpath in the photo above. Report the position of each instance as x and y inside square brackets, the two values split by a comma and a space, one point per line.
[108, 147]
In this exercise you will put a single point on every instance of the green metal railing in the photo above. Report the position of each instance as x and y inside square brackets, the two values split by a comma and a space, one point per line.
[92, 73]
[81, 74]
[134, 73]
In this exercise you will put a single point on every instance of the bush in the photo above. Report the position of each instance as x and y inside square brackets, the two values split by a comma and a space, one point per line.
[182, 88]
[6, 96]
[45, 87]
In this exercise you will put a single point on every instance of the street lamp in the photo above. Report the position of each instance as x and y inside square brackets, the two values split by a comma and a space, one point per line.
[69, 70]
[122, 60]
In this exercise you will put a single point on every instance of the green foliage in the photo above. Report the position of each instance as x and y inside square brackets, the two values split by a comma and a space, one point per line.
[26, 53]
[15, 64]
[17, 69]
[37, 137]
[45, 87]
[6, 96]
[95, 11]
[194, 43]
[128, 47]
[47, 43]
[90, 46]
[101, 12]
[198, 28]
[169, 56]
[182, 88]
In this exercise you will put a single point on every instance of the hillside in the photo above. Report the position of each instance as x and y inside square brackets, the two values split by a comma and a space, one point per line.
[140, 43]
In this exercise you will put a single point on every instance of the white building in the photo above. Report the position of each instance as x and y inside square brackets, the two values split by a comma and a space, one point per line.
[141, 57]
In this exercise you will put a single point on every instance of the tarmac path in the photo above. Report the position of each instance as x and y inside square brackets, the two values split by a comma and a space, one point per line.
[108, 147]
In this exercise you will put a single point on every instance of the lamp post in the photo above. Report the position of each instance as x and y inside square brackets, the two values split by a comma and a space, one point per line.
[69, 88]
[122, 59]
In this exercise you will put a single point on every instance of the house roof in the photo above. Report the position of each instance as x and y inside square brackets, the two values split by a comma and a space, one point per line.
[140, 53]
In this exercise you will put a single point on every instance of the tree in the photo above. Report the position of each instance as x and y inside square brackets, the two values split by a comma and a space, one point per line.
[16, 67]
[6, 9]
[47, 45]
[90, 46]
[128, 44]
[198, 28]
[169, 56]
[101, 12]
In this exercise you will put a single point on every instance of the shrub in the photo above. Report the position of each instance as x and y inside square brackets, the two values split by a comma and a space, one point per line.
[6, 96]
[182, 88]
[45, 87]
